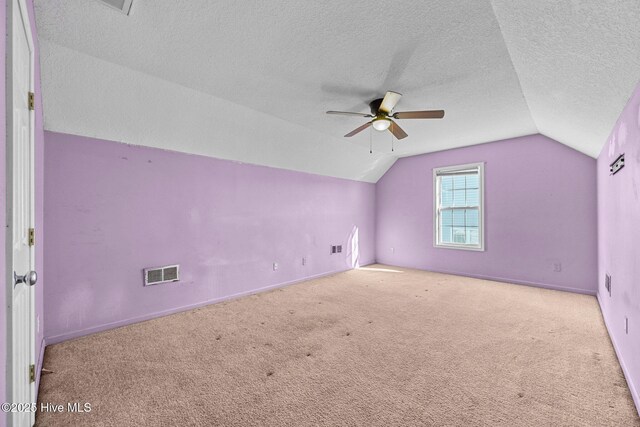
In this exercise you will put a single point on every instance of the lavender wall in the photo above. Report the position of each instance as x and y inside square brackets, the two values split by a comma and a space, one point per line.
[618, 237]
[39, 176]
[540, 209]
[113, 209]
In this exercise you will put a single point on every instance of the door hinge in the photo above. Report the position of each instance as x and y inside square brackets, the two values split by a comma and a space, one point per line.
[32, 373]
[32, 102]
[32, 236]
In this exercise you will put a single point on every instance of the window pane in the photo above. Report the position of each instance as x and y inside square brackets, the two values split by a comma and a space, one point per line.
[458, 181]
[459, 235]
[472, 235]
[471, 217]
[446, 198]
[458, 218]
[472, 181]
[445, 234]
[473, 197]
[458, 198]
[446, 218]
[446, 182]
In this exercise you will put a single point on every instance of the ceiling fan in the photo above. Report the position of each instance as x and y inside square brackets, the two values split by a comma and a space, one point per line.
[382, 113]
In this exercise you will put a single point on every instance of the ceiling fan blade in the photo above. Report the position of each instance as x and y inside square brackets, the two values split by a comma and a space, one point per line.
[358, 130]
[397, 131]
[432, 114]
[389, 102]
[348, 113]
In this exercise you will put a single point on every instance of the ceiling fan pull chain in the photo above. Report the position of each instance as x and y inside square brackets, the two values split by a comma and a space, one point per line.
[392, 123]
[370, 140]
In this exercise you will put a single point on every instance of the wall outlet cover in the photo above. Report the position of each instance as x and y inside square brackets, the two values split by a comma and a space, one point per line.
[275, 266]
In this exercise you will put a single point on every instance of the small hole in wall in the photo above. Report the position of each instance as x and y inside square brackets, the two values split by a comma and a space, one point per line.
[626, 325]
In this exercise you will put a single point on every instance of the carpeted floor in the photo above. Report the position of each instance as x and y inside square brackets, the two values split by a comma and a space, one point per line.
[380, 346]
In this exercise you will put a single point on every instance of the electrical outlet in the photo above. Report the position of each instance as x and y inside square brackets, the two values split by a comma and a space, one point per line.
[334, 249]
[557, 267]
[607, 283]
[275, 266]
[393, 250]
[304, 260]
[339, 249]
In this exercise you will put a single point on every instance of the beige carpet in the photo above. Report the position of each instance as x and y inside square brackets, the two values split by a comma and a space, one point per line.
[380, 346]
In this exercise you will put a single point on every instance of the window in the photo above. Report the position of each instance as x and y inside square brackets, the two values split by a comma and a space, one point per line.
[458, 207]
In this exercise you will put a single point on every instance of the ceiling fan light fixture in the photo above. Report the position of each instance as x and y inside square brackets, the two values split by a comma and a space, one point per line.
[381, 124]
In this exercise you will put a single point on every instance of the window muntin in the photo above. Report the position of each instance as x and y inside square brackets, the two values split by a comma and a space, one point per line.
[458, 207]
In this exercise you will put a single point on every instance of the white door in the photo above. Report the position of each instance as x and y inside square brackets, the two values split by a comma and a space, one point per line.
[20, 212]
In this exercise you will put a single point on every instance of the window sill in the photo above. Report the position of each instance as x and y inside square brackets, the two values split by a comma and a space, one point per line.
[459, 247]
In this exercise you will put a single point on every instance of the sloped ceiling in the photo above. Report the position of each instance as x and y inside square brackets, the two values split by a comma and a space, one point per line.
[251, 80]
[578, 62]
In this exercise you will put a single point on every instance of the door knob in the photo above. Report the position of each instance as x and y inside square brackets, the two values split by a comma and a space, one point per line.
[29, 279]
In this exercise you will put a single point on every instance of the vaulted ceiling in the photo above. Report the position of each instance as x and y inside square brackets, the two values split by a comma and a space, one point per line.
[250, 80]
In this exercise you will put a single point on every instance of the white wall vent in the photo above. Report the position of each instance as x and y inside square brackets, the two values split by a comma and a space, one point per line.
[157, 275]
[123, 6]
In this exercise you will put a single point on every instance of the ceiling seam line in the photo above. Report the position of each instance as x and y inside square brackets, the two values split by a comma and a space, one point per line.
[515, 70]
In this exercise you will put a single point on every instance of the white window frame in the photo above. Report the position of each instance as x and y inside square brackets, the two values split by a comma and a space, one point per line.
[436, 207]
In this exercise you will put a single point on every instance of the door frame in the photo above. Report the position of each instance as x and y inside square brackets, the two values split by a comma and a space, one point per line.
[9, 279]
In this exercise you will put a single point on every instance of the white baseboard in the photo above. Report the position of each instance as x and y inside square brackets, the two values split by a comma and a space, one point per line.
[625, 371]
[111, 325]
[508, 280]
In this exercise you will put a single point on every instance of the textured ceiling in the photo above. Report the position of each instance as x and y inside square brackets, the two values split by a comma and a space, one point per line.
[578, 62]
[251, 80]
